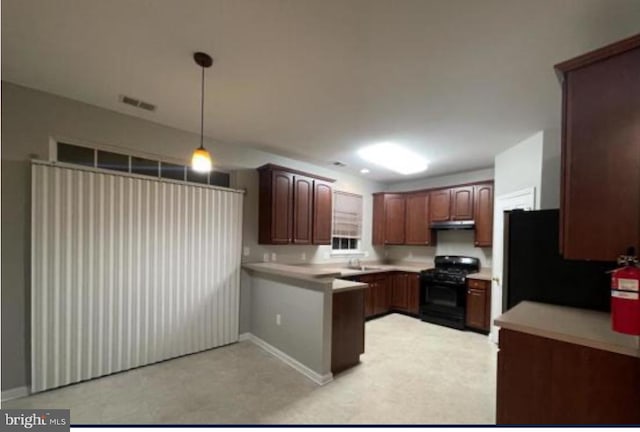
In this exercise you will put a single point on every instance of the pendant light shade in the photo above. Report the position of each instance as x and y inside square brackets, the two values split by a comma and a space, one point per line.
[201, 159]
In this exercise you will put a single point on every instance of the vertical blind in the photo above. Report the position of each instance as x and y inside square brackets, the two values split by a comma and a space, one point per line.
[127, 271]
[347, 215]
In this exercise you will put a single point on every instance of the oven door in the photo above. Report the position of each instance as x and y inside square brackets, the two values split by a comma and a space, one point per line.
[444, 294]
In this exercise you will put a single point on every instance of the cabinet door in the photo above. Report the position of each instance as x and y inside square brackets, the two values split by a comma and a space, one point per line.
[440, 205]
[281, 207]
[394, 219]
[476, 308]
[302, 209]
[322, 212]
[399, 293]
[382, 296]
[413, 293]
[417, 219]
[462, 203]
[368, 300]
[600, 207]
[377, 223]
[484, 215]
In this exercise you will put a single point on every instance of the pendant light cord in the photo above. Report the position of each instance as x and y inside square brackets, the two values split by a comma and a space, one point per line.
[202, 111]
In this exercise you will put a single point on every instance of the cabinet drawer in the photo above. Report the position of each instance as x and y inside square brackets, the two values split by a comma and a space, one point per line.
[479, 284]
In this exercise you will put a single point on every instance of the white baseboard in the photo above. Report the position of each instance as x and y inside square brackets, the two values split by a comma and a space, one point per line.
[14, 393]
[304, 370]
[244, 336]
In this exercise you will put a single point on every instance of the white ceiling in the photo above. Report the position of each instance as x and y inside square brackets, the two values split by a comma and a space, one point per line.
[456, 80]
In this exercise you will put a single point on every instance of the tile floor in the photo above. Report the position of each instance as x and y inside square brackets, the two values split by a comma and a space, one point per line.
[412, 372]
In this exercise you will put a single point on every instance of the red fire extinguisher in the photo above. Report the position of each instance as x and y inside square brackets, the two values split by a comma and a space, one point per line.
[625, 296]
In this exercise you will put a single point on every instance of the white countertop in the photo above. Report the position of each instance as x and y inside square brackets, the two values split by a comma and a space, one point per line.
[483, 274]
[320, 272]
[341, 285]
[577, 326]
[307, 273]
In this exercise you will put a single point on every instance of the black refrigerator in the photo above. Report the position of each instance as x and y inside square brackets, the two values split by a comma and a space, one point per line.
[533, 268]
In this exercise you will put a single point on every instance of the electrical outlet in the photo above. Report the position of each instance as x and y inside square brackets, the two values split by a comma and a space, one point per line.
[304, 256]
[273, 256]
[246, 251]
[366, 254]
[265, 258]
[278, 319]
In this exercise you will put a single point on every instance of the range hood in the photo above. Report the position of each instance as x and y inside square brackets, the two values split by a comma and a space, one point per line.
[453, 225]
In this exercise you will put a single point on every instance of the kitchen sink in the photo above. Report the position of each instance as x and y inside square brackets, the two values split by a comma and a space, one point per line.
[363, 268]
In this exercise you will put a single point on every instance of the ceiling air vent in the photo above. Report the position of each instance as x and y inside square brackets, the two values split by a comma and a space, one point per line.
[137, 103]
[339, 164]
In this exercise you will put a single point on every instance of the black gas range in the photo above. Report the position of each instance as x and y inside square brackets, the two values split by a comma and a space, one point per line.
[443, 290]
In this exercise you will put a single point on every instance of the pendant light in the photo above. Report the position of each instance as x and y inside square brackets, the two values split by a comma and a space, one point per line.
[201, 159]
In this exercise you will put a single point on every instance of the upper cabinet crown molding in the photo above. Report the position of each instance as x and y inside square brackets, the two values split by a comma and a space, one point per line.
[598, 55]
[600, 193]
[295, 207]
[273, 167]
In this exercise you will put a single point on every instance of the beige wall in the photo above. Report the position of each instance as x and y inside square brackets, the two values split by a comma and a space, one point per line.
[30, 118]
[475, 176]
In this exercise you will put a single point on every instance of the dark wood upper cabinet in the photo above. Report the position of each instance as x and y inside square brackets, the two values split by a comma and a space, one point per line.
[388, 225]
[322, 212]
[377, 223]
[276, 201]
[302, 209]
[600, 194]
[440, 205]
[483, 214]
[417, 230]
[394, 215]
[462, 203]
[405, 218]
[287, 208]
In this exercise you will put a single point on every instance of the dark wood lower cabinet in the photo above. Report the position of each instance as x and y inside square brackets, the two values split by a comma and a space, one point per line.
[546, 381]
[389, 292]
[347, 336]
[478, 314]
[413, 293]
[382, 295]
[399, 292]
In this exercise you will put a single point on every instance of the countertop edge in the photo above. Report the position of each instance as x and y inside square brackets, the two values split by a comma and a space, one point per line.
[340, 285]
[319, 282]
[583, 327]
[576, 340]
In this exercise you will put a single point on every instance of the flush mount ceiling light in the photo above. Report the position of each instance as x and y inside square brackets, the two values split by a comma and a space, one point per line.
[201, 159]
[364, 171]
[394, 157]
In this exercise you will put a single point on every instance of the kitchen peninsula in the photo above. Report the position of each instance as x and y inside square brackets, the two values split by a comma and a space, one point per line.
[564, 365]
[312, 316]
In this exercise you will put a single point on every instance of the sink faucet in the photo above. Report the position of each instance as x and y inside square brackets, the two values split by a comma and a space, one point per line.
[354, 262]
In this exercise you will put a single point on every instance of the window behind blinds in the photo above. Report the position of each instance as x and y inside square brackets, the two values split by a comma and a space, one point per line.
[347, 215]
